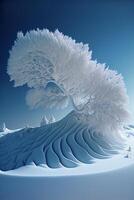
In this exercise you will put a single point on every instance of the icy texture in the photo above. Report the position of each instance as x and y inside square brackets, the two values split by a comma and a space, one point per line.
[40, 57]
[67, 143]
[106, 179]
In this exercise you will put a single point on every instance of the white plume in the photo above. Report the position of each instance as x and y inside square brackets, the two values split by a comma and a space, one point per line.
[41, 57]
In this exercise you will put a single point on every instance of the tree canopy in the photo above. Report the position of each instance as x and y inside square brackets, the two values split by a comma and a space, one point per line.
[57, 69]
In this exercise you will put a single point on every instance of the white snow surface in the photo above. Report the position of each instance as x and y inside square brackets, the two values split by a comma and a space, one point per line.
[69, 143]
[107, 179]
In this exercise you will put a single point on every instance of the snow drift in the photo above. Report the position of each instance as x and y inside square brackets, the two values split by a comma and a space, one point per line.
[82, 183]
[66, 143]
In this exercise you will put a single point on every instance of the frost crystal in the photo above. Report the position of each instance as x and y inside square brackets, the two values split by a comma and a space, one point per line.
[41, 58]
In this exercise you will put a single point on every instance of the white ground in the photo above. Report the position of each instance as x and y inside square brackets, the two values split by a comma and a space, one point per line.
[106, 179]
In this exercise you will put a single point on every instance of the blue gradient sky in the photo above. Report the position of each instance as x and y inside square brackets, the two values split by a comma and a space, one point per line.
[107, 25]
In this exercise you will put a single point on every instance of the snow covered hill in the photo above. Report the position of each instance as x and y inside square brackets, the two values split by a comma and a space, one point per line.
[68, 143]
[66, 160]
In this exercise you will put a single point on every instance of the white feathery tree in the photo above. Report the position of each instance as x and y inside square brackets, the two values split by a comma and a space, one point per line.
[41, 58]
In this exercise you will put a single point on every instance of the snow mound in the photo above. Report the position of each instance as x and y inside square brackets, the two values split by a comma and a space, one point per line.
[66, 143]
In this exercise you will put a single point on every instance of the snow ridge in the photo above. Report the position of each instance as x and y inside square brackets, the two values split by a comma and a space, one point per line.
[66, 143]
